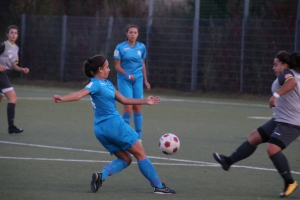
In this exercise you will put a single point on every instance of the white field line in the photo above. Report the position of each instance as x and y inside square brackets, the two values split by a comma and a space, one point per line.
[169, 100]
[185, 162]
[259, 117]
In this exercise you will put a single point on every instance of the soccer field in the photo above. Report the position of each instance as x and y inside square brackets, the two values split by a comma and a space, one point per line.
[57, 153]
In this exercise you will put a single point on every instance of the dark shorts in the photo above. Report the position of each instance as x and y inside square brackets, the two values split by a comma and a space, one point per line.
[4, 81]
[278, 133]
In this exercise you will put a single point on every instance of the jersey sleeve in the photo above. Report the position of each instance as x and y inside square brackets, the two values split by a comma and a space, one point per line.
[91, 87]
[2, 48]
[117, 52]
[284, 76]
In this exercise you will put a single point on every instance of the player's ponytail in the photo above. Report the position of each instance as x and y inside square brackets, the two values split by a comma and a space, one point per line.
[92, 65]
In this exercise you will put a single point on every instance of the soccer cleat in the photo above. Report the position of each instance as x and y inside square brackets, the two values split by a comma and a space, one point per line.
[14, 129]
[221, 159]
[164, 190]
[289, 189]
[96, 181]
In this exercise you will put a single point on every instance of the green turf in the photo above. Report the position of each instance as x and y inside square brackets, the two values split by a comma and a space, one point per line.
[56, 155]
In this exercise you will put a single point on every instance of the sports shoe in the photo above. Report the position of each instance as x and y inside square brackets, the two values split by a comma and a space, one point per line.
[96, 181]
[164, 190]
[221, 159]
[289, 189]
[14, 129]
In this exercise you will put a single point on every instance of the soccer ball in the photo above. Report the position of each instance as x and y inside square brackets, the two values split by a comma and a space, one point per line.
[169, 143]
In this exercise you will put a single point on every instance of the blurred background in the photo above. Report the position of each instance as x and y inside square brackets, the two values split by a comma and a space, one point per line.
[223, 46]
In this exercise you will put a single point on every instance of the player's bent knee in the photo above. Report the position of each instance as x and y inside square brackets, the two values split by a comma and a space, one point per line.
[255, 138]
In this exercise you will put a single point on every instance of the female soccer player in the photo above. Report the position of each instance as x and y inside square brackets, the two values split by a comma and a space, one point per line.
[8, 61]
[283, 128]
[130, 64]
[110, 129]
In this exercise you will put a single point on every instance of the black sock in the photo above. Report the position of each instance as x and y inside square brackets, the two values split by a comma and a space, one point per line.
[242, 152]
[10, 114]
[282, 165]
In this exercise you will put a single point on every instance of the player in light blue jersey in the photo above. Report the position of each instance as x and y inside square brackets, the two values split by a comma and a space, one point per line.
[8, 62]
[130, 64]
[109, 127]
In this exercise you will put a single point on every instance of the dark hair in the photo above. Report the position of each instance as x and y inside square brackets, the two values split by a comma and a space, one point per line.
[92, 64]
[290, 58]
[130, 26]
[11, 27]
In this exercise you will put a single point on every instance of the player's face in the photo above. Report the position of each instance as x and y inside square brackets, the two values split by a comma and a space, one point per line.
[132, 34]
[105, 70]
[12, 35]
[279, 66]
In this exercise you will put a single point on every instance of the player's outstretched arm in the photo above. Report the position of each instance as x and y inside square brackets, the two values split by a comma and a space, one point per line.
[75, 96]
[128, 101]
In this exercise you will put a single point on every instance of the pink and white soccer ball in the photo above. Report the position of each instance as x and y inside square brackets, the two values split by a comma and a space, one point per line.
[169, 143]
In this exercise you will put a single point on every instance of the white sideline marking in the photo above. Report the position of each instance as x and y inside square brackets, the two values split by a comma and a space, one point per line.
[170, 100]
[259, 117]
[197, 163]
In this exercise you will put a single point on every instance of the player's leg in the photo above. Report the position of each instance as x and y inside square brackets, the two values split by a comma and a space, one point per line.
[148, 170]
[285, 134]
[137, 109]
[125, 88]
[108, 133]
[1, 96]
[11, 96]
[247, 148]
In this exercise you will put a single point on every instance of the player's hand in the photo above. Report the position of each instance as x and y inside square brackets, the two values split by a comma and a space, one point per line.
[2, 68]
[25, 70]
[272, 101]
[129, 77]
[57, 98]
[148, 87]
[153, 100]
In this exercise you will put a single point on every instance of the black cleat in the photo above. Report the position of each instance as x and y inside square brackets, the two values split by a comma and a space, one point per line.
[96, 181]
[164, 190]
[221, 159]
[14, 129]
[289, 189]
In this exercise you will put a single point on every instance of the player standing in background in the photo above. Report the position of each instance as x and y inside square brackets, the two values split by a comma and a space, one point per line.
[8, 61]
[110, 129]
[130, 64]
[283, 128]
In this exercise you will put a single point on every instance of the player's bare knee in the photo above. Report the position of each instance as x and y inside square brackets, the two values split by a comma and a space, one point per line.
[255, 138]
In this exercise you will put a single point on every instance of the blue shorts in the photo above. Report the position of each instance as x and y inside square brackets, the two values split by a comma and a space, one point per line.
[131, 89]
[115, 134]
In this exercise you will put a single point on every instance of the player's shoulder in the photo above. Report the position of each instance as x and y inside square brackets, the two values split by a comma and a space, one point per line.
[140, 44]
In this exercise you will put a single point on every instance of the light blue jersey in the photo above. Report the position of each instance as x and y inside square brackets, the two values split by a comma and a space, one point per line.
[131, 57]
[103, 99]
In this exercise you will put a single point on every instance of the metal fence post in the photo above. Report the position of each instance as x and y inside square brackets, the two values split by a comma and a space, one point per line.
[297, 32]
[149, 24]
[108, 38]
[23, 38]
[195, 46]
[246, 14]
[63, 47]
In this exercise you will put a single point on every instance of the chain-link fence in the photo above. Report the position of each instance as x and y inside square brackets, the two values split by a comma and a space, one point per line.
[54, 48]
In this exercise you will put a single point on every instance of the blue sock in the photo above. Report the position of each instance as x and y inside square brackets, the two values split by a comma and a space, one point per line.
[138, 123]
[126, 117]
[149, 172]
[114, 167]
